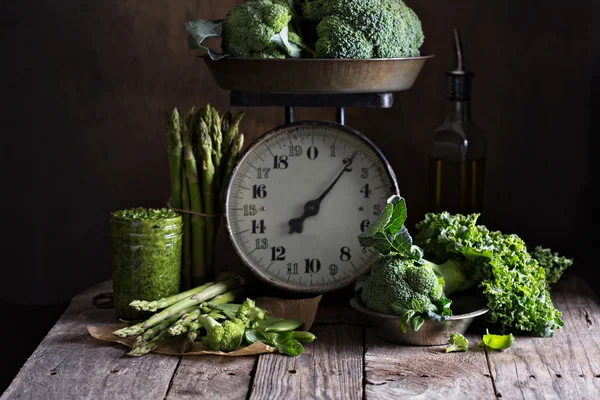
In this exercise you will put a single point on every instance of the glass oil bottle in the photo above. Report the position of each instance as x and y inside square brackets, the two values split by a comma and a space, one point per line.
[458, 148]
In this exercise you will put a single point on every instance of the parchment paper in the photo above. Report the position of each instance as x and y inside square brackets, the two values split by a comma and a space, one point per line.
[304, 309]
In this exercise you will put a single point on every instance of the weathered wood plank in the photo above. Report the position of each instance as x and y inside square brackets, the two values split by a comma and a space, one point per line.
[69, 364]
[212, 377]
[566, 366]
[329, 368]
[332, 314]
[335, 308]
[395, 371]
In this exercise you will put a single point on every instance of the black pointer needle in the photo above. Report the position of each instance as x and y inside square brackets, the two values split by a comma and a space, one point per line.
[312, 207]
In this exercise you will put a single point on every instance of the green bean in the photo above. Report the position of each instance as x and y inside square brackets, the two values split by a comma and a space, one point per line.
[304, 336]
[284, 326]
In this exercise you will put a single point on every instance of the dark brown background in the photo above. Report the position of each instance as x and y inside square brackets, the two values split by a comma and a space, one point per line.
[84, 80]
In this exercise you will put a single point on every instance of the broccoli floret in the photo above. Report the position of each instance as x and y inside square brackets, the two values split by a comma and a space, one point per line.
[394, 279]
[553, 263]
[249, 314]
[457, 342]
[271, 53]
[246, 308]
[222, 337]
[338, 39]
[249, 29]
[364, 28]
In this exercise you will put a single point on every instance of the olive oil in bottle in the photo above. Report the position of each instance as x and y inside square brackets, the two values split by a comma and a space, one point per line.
[458, 149]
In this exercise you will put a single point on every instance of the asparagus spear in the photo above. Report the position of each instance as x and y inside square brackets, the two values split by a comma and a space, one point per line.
[173, 127]
[197, 298]
[186, 264]
[189, 322]
[226, 297]
[183, 324]
[206, 115]
[190, 123]
[216, 136]
[178, 183]
[197, 221]
[208, 183]
[146, 347]
[236, 149]
[225, 125]
[230, 134]
[142, 305]
[132, 330]
[139, 329]
[189, 341]
[155, 330]
[230, 131]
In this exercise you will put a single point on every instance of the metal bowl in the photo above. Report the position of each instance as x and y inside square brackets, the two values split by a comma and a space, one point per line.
[431, 333]
[316, 75]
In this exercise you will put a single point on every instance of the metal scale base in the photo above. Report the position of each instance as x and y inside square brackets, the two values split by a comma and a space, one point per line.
[292, 100]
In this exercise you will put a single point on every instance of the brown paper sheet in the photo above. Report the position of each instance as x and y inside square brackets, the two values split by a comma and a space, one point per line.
[304, 309]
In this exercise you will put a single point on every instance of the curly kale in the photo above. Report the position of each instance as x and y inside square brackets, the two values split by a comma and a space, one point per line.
[553, 263]
[512, 281]
[364, 28]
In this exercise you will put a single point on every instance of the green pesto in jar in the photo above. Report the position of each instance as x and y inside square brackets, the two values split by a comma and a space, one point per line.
[145, 221]
[146, 252]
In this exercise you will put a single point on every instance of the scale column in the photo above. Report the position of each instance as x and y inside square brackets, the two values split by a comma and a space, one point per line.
[289, 115]
[341, 115]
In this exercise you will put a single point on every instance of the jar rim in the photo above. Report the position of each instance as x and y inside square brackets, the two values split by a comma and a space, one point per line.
[146, 236]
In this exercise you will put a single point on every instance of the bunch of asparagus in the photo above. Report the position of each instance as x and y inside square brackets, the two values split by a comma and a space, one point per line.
[208, 312]
[203, 148]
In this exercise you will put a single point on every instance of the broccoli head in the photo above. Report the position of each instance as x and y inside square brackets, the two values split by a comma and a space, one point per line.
[397, 279]
[250, 30]
[364, 28]
[222, 337]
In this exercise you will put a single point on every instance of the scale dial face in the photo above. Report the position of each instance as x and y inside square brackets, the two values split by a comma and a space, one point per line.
[297, 201]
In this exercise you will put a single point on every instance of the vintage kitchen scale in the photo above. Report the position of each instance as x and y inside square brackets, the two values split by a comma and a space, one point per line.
[302, 193]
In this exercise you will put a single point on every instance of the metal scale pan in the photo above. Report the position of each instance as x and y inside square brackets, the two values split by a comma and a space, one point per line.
[316, 76]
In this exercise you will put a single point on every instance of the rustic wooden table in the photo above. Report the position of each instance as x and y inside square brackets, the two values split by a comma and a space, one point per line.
[347, 361]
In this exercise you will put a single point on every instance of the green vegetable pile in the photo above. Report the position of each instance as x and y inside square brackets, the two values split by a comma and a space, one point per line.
[207, 314]
[452, 254]
[203, 148]
[313, 29]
